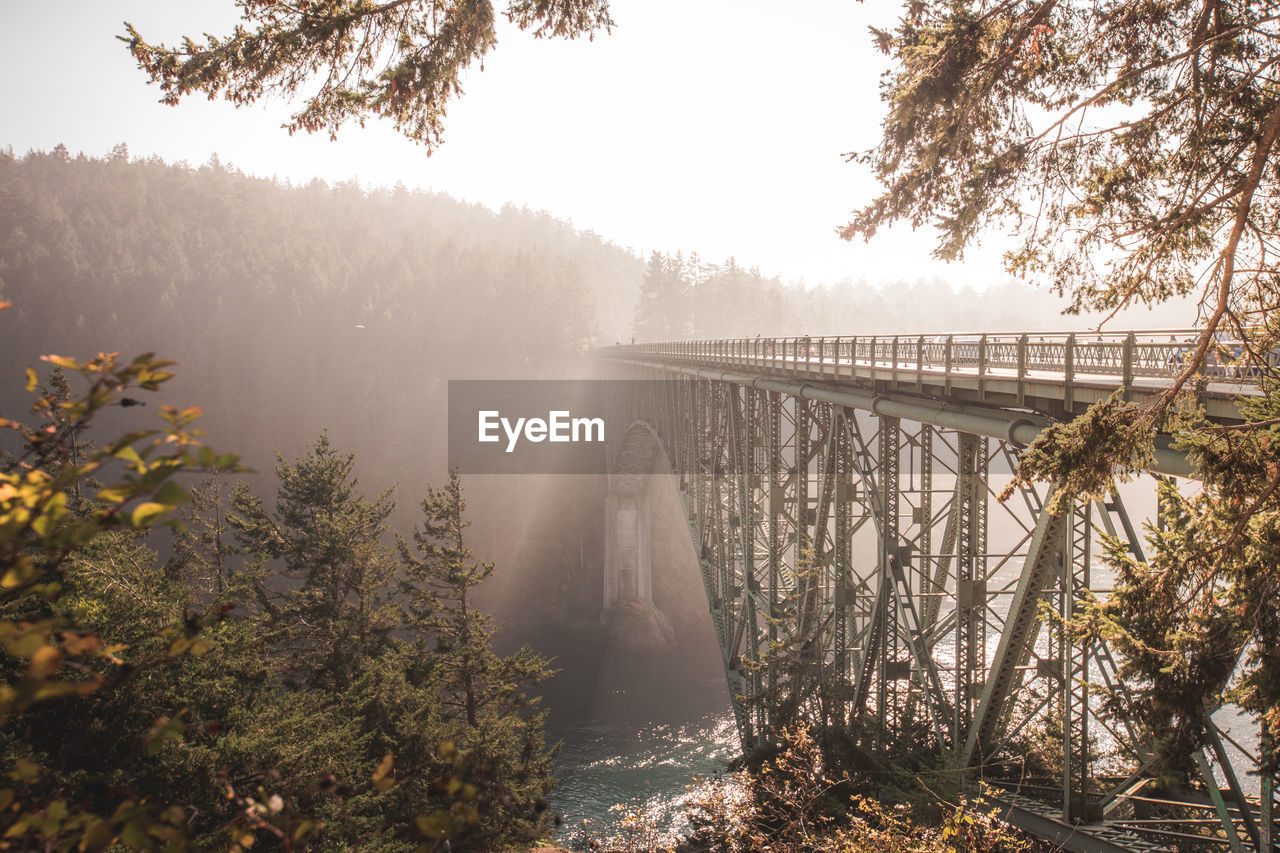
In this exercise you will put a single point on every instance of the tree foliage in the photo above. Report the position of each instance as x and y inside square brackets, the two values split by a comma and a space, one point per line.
[303, 710]
[385, 675]
[265, 292]
[662, 293]
[795, 802]
[1198, 623]
[1132, 147]
[399, 59]
[327, 541]
[684, 296]
[64, 535]
[1129, 145]
[484, 694]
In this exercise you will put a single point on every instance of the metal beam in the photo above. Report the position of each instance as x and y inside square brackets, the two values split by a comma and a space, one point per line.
[1021, 626]
[1030, 816]
[1016, 427]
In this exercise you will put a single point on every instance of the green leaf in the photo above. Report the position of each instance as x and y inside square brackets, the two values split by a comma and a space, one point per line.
[172, 494]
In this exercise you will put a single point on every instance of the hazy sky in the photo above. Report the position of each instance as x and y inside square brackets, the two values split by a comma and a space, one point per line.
[711, 126]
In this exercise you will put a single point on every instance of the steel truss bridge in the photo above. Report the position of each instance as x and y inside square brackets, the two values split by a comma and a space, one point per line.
[859, 569]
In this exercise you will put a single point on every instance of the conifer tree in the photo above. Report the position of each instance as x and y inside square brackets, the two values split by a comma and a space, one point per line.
[328, 537]
[662, 312]
[484, 697]
[202, 548]
[394, 59]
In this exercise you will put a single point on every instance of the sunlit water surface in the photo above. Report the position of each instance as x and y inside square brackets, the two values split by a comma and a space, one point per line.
[636, 730]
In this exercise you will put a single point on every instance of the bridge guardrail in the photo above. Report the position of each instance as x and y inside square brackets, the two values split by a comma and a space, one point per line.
[1118, 356]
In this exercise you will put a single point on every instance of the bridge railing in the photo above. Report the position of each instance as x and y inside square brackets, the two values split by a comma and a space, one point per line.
[1121, 356]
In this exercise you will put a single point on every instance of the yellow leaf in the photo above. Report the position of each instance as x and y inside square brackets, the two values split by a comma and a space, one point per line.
[20, 573]
[145, 513]
[113, 494]
[27, 643]
[80, 644]
[128, 454]
[45, 662]
[382, 778]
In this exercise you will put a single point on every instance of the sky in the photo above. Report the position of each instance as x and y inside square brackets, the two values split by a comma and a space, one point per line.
[717, 127]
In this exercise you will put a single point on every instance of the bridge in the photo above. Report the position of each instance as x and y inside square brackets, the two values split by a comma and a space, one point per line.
[860, 572]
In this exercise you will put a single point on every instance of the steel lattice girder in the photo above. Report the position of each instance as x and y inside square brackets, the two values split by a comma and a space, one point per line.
[781, 492]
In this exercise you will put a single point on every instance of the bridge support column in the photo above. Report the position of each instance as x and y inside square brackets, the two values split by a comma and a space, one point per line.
[628, 570]
[629, 615]
[1268, 830]
[1076, 657]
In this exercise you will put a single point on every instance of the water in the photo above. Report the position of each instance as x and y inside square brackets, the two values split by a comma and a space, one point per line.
[636, 729]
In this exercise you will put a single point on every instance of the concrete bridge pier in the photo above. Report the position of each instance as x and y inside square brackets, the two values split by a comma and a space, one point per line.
[631, 619]
[628, 571]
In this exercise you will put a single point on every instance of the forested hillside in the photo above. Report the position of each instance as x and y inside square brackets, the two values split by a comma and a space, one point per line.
[291, 308]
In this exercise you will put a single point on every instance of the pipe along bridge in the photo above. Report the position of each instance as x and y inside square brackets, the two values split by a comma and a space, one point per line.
[840, 493]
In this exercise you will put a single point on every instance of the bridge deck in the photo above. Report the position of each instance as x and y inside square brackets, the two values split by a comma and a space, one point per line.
[1057, 374]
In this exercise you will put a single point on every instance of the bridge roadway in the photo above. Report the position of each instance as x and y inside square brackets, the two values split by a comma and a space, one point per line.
[1057, 373]
[860, 572]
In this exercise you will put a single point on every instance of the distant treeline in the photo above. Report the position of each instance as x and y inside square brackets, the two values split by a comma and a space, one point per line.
[683, 296]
